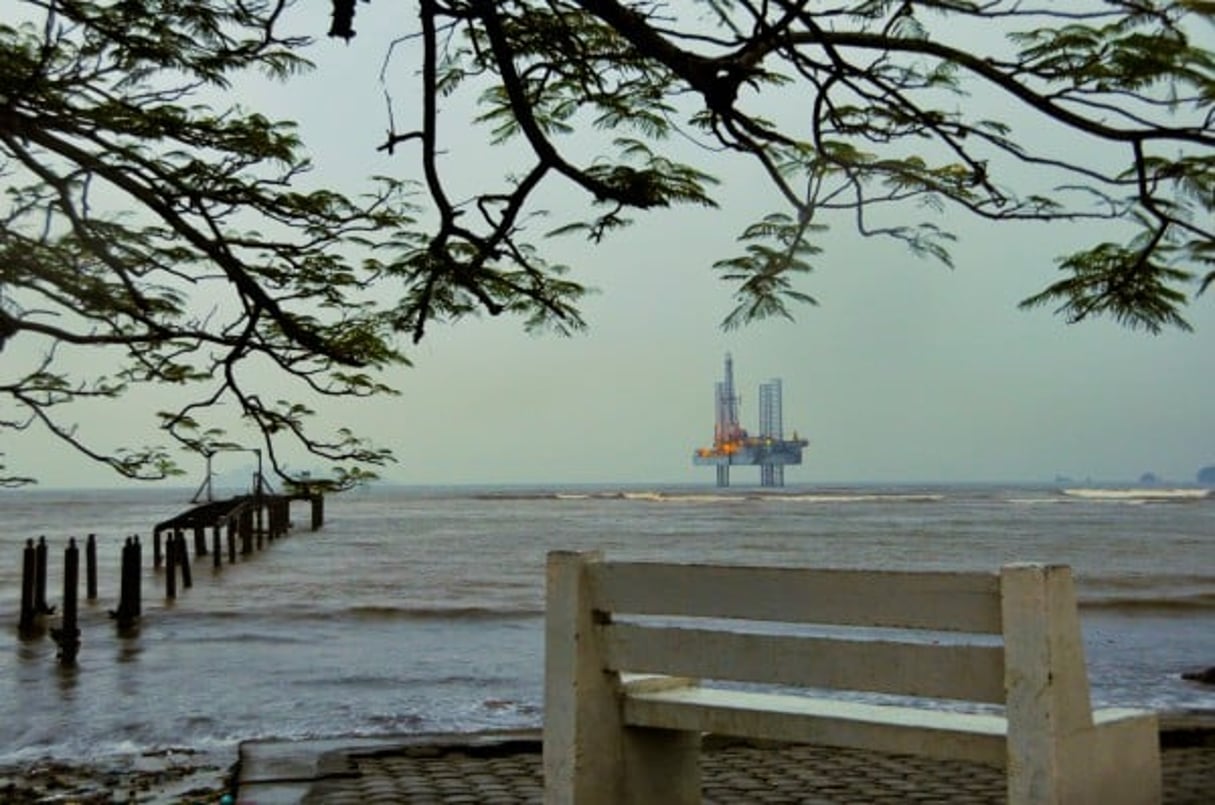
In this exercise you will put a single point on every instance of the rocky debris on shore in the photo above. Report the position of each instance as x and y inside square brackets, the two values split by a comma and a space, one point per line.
[165, 776]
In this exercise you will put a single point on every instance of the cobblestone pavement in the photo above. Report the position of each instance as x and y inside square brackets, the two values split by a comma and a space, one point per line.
[510, 772]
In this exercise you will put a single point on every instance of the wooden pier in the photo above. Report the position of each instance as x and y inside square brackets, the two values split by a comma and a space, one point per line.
[246, 519]
[249, 523]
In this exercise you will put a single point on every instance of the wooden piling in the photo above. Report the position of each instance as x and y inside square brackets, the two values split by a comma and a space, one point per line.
[246, 532]
[25, 624]
[318, 511]
[136, 576]
[90, 567]
[156, 553]
[68, 634]
[170, 567]
[129, 592]
[200, 541]
[40, 605]
[120, 614]
[183, 558]
[231, 541]
[216, 553]
[284, 516]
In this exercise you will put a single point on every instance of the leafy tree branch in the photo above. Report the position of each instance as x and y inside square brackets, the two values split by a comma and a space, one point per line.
[859, 111]
[100, 111]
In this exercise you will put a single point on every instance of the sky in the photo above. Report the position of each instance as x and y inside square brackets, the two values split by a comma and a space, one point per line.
[907, 371]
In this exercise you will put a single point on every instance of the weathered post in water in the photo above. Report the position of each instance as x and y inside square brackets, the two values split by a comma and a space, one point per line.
[216, 553]
[246, 531]
[156, 553]
[231, 540]
[90, 568]
[259, 526]
[284, 516]
[272, 519]
[171, 567]
[136, 577]
[124, 585]
[183, 558]
[128, 587]
[200, 541]
[40, 605]
[25, 624]
[318, 510]
[67, 636]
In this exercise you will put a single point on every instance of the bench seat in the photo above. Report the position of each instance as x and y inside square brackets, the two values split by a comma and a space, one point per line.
[912, 730]
[821, 721]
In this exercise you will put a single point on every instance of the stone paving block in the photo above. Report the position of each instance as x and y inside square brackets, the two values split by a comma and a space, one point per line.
[735, 774]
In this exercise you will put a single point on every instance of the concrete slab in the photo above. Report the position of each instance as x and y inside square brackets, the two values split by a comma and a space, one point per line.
[277, 772]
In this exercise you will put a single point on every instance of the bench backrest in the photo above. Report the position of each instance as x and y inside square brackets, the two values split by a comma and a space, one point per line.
[981, 637]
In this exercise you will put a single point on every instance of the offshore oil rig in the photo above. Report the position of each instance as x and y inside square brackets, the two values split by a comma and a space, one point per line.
[770, 451]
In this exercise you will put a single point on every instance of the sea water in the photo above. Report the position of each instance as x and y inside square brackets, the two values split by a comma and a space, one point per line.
[420, 609]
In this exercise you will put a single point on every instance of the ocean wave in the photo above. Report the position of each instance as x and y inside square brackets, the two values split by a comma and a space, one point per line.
[539, 495]
[124, 753]
[373, 613]
[1169, 584]
[660, 496]
[258, 638]
[1133, 495]
[1199, 601]
[780, 497]
[472, 613]
[860, 497]
[356, 614]
[677, 497]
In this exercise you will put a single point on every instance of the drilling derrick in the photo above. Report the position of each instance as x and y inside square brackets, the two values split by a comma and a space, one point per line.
[726, 428]
[770, 450]
[771, 474]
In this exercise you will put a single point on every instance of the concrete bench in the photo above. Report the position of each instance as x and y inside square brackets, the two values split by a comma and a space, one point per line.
[635, 652]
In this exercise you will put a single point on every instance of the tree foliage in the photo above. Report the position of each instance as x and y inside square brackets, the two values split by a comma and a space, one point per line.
[875, 113]
[154, 234]
[148, 238]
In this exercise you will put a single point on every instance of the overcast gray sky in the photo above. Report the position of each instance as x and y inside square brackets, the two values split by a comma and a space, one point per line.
[906, 372]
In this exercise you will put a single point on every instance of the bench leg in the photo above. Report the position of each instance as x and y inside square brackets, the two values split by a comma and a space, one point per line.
[583, 761]
[1056, 754]
[590, 757]
[1117, 764]
[662, 767]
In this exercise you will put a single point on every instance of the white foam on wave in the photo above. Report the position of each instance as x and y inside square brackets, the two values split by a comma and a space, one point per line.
[1132, 495]
[777, 497]
[862, 498]
[662, 497]
[643, 496]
